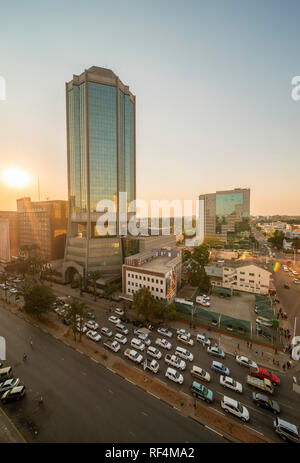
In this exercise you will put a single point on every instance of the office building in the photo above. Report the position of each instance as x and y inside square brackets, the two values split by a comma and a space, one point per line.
[225, 216]
[159, 270]
[101, 155]
[43, 223]
[9, 236]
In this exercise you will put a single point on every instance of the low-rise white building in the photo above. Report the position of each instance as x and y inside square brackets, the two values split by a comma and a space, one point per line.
[159, 270]
[240, 275]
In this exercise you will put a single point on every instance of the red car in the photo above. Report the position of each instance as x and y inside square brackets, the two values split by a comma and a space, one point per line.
[261, 373]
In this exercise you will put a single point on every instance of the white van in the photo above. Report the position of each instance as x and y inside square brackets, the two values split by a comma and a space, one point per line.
[184, 353]
[137, 344]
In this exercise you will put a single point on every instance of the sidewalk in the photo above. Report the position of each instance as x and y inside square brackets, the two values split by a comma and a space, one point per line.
[8, 432]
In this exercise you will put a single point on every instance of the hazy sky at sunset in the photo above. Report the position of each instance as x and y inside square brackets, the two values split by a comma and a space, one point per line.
[213, 87]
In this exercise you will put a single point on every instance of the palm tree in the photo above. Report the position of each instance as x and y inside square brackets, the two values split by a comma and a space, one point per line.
[93, 277]
[77, 313]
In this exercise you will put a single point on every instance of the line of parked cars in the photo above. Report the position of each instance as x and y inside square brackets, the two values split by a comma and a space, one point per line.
[10, 388]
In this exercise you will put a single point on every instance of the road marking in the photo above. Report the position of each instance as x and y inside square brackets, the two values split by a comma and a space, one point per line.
[110, 369]
[12, 424]
[144, 413]
[83, 373]
[80, 352]
[94, 360]
[252, 429]
[154, 395]
[129, 381]
[175, 408]
[213, 430]
[110, 391]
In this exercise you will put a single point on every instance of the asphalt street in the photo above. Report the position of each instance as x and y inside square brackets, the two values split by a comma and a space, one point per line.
[84, 402]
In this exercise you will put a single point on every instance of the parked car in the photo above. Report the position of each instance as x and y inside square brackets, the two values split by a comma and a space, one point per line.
[114, 320]
[165, 332]
[120, 338]
[16, 393]
[92, 325]
[121, 328]
[154, 352]
[119, 311]
[143, 337]
[174, 375]
[184, 353]
[184, 332]
[201, 338]
[230, 383]
[215, 351]
[245, 361]
[261, 400]
[112, 345]
[218, 367]
[287, 431]
[106, 331]
[235, 408]
[262, 373]
[137, 344]
[162, 342]
[264, 321]
[185, 339]
[202, 392]
[9, 384]
[199, 373]
[93, 335]
[82, 329]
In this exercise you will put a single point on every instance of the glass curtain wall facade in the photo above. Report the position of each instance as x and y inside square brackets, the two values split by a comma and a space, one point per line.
[101, 164]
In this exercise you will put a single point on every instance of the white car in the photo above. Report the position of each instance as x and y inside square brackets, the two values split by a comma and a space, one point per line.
[296, 281]
[236, 408]
[113, 345]
[120, 338]
[93, 335]
[201, 338]
[204, 296]
[230, 383]
[165, 332]
[264, 321]
[199, 373]
[174, 375]
[185, 332]
[119, 312]
[154, 352]
[162, 342]
[106, 331]
[143, 337]
[185, 339]
[92, 325]
[121, 328]
[245, 361]
[83, 329]
[137, 344]
[114, 320]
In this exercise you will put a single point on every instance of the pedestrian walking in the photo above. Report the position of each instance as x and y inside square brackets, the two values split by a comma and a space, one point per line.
[195, 404]
[283, 366]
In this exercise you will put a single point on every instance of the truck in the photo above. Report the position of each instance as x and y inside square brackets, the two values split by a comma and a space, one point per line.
[175, 361]
[112, 345]
[151, 365]
[263, 384]
[133, 355]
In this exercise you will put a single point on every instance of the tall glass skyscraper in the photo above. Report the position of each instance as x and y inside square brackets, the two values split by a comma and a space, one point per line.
[101, 163]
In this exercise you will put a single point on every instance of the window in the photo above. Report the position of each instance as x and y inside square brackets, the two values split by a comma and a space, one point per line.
[242, 273]
[251, 274]
[140, 277]
[251, 281]
[152, 288]
[156, 281]
[148, 279]
[242, 279]
[152, 280]
[161, 291]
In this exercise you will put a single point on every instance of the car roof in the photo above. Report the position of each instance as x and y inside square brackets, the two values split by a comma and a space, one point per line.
[288, 425]
[195, 368]
[219, 364]
[17, 389]
[230, 401]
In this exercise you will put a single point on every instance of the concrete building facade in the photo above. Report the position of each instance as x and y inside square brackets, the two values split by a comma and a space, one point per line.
[239, 275]
[159, 270]
[9, 236]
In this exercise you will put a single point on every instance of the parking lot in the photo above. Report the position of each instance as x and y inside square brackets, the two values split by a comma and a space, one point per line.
[241, 307]
[260, 420]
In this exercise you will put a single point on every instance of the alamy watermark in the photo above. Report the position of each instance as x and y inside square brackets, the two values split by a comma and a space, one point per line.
[2, 88]
[295, 94]
[156, 221]
[2, 348]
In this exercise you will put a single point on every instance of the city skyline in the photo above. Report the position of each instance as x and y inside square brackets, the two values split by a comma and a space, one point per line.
[225, 116]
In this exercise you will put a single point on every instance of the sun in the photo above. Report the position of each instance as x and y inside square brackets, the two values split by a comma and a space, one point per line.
[15, 177]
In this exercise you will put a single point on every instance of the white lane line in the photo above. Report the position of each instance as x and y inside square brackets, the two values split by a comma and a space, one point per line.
[144, 413]
[94, 360]
[80, 352]
[252, 429]
[129, 381]
[110, 369]
[213, 430]
[175, 408]
[154, 395]
[110, 391]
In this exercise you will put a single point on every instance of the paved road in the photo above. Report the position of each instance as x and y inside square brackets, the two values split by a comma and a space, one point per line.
[289, 298]
[84, 402]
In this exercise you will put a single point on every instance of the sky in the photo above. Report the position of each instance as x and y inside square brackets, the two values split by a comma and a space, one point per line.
[212, 80]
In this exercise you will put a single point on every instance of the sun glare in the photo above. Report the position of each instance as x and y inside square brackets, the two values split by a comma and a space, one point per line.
[15, 177]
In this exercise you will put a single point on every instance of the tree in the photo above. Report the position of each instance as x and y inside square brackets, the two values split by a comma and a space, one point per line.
[77, 313]
[93, 277]
[276, 239]
[197, 275]
[38, 299]
[165, 311]
[201, 254]
[110, 289]
[144, 303]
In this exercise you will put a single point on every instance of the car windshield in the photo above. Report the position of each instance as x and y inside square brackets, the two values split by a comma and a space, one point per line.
[176, 374]
[240, 407]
